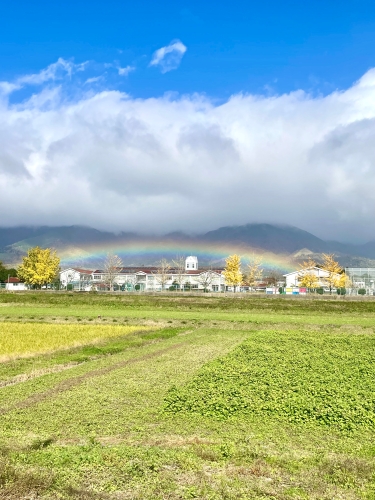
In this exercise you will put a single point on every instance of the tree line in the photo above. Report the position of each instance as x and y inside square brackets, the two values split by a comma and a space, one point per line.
[41, 267]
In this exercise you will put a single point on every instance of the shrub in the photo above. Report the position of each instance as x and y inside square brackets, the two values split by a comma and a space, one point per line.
[341, 291]
[361, 291]
[320, 291]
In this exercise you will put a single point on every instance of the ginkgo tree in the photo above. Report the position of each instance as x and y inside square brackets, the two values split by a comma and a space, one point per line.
[306, 276]
[335, 278]
[253, 271]
[232, 272]
[39, 267]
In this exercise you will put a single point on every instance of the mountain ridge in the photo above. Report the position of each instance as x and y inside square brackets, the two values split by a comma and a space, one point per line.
[280, 239]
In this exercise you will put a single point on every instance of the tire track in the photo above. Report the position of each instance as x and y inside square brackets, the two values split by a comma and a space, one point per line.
[68, 384]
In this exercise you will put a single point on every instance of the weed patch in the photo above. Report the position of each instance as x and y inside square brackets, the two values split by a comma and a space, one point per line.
[323, 378]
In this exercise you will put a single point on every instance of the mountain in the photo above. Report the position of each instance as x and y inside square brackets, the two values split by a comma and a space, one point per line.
[274, 238]
[75, 244]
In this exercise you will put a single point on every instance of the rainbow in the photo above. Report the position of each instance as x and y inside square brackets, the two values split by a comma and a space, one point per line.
[92, 254]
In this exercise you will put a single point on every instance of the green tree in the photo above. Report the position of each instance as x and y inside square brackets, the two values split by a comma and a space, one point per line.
[232, 272]
[39, 267]
[5, 272]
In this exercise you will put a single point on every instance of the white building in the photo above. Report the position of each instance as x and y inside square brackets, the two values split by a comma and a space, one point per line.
[77, 279]
[293, 279]
[147, 278]
[191, 263]
[15, 285]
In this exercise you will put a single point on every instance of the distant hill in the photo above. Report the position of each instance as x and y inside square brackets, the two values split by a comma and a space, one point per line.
[274, 238]
[76, 243]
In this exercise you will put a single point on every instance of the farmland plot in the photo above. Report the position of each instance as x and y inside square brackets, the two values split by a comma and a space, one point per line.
[192, 408]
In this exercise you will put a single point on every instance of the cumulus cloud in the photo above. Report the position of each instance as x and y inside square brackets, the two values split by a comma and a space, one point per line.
[159, 164]
[169, 57]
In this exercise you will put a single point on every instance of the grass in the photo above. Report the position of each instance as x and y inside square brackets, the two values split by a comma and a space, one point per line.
[37, 338]
[215, 398]
[333, 310]
[302, 377]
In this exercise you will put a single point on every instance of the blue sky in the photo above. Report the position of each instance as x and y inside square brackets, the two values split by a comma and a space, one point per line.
[154, 117]
[237, 46]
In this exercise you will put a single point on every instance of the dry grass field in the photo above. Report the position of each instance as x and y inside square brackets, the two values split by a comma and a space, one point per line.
[29, 339]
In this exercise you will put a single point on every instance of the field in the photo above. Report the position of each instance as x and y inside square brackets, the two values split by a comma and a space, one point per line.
[168, 397]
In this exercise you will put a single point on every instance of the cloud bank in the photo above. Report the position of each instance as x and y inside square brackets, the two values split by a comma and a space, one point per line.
[169, 57]
[155, 165]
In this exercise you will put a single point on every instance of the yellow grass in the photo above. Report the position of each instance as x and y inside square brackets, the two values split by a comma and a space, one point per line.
[28, 339]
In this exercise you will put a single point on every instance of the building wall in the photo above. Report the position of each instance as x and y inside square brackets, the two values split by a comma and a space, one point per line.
[292, 278]
[16, 287]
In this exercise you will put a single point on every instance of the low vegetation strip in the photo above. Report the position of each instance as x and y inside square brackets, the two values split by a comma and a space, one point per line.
[296, 376]
[68, 384]
[27, 339]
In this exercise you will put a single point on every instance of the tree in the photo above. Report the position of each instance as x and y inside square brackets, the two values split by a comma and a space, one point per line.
[5, 272]
[306, 276]
[39, 267]
[205, 279]
[273, 278]
[162, 273]
[309, 280]
[131, 281]
[253, 271]
[112, 265]
[335, 277]
[232, 272]
[179, 270]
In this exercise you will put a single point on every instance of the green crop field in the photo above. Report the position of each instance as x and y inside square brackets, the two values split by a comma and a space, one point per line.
[170, 397]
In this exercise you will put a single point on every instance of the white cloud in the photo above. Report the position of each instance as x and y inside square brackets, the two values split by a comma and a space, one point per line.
[60, 68]
[159, 164]
[7, 88]
[125, 71]
[169, 57]
[94, 79]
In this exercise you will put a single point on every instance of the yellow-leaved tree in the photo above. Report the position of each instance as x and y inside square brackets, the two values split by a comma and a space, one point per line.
[232, 272]
[39, 267]
[253, 271]
[306, 276]
[335, 278]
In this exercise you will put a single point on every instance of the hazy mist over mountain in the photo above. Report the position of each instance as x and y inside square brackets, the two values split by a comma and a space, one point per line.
[80, 245]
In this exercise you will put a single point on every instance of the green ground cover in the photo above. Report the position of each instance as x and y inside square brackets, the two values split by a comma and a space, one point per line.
[339, 310]
[207, 402]
[298, 376]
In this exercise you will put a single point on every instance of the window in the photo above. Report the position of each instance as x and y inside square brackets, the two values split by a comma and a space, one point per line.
[187, 266]
[97, 277]
[192, 266]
